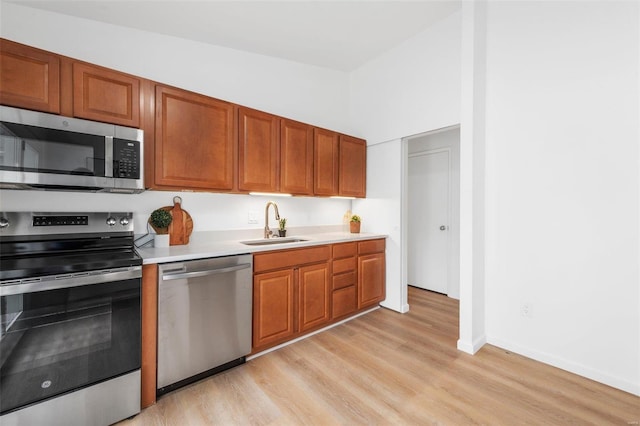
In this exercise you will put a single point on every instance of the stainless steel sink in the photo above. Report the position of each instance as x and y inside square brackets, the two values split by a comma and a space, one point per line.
[272, 241]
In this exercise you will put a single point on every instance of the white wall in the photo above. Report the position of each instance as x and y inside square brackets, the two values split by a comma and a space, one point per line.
[562, 132]
[306, 93]
[210, 212]
[310, 94]
[411, 89]
[380, 213]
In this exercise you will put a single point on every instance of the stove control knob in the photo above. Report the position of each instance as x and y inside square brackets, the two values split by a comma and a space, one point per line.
[4, 223]
[124, 221]
[111, 221]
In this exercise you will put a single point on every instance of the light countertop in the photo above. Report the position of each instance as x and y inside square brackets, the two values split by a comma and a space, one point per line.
[203, 247]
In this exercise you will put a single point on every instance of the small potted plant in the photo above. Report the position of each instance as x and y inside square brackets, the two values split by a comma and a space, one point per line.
[354, 224]
[160, 220]
[282, 227]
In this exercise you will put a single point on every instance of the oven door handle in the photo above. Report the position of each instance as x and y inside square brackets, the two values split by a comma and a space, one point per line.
[53, 282]
[195, 274]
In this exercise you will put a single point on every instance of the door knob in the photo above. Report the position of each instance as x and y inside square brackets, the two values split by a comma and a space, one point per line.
[442, 227]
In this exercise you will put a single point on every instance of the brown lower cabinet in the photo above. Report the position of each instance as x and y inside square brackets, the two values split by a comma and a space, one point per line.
[291, 294]
[371, 272]
[300, 290]
[345, 280]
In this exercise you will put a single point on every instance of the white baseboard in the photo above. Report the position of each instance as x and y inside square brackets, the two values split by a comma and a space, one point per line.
[403, 308]
[572, 367]
[472, 347]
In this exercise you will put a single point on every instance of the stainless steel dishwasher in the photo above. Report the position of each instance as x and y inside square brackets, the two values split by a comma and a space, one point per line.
[204, 318]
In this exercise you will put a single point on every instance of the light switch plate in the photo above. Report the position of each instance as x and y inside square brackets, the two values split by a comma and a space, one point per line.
[252, 217]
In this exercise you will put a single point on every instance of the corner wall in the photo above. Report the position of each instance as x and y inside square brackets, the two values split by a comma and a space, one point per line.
[563, 184]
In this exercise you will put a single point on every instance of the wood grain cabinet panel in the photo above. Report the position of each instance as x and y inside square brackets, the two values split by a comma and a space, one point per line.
[325, 162]
[296, 157]
[344, 250]
[258, 151]
[29, 77]
[105, 95]
[371, 277]
[344, 302]
[314, 291]
[149, 308]
[273, 307]
[292, 294]
[194, 141]
[344, 285]
[353, 167]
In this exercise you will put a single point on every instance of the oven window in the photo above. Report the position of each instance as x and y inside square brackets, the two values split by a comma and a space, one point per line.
[56, 341]
[36, 149]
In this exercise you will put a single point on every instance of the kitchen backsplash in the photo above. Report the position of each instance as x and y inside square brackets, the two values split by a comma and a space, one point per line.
[210, 212]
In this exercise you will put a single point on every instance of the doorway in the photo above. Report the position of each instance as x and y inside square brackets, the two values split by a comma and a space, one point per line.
[433, 211]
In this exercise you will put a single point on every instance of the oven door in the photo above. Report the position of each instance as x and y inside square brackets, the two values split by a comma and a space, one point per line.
[64, 334]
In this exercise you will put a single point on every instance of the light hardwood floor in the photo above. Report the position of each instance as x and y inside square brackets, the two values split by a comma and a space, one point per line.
[390, 368]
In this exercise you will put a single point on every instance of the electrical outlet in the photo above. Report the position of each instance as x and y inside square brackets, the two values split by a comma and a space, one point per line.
[527, 310]
[252, 217]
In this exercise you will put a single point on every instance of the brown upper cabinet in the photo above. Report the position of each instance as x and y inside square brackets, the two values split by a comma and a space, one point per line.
[325, 161]
[258, 151]
[29, 77]
[353, 167]
[102, 94]
[194, 141]
[296, 157]
[340, 164]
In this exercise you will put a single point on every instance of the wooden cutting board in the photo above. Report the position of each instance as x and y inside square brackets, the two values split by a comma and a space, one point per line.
[181, 225]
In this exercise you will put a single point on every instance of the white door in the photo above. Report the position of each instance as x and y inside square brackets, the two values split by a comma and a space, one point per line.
[428, 227]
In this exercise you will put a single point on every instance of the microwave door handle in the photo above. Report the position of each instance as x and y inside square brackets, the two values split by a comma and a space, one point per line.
[108, 156]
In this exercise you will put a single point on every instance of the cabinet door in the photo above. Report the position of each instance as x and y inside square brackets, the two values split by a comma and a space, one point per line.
[296, 158]
[353, 167]
[325, 162]
[273, 307]
[105, 95]
[344, 302]
[29, 78]
[314, 296]
[258, 151]
[194, 141]
[371, 279]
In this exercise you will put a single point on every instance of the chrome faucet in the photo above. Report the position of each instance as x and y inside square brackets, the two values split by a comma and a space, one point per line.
[268, 232]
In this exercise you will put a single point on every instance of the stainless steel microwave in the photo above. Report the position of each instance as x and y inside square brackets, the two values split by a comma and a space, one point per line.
[52, 152]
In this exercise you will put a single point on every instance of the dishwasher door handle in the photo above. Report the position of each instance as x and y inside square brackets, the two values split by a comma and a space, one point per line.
[204, 273]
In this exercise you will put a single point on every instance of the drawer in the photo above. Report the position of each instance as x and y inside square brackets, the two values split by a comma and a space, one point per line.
[344, 250]
[290, 258]
[371, 246]
[344, 302]
[344, 265]
[344, 280]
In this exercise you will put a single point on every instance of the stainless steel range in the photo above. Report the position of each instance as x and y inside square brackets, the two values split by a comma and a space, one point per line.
[69, 318]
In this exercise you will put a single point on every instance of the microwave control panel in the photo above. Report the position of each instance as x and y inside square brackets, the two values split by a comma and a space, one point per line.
[126, 159]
